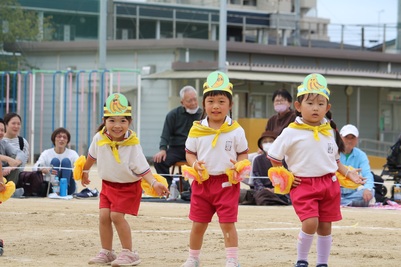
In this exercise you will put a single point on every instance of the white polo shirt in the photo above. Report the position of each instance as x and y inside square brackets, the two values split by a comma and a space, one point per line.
[305, 156]
[217, 158]
[133, 162]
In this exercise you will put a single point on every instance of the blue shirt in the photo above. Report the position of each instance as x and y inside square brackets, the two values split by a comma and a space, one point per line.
[359, 160]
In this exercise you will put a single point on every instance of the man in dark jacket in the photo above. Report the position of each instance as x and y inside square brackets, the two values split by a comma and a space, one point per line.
[175, 132]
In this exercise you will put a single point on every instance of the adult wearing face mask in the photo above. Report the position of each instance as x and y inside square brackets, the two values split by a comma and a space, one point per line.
[263, 187]
[282, 101]
[176, 127]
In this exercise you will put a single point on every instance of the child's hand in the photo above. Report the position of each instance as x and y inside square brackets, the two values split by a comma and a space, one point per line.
[160, 189]
[355, 177]
[199, 166]
[233, 161]
[2, 186]
[296, 182]
[85, 179]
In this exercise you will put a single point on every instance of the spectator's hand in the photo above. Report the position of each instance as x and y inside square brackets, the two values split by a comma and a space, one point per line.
[6, 171]
[13, 162]
[367, 195]
[160, 156]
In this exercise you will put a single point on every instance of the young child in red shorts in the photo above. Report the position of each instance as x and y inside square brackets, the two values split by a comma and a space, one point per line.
[121, 165]
[215, 143]
[310, 147]
[6, 190]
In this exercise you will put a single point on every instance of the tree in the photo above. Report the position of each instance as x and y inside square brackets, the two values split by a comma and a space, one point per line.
[16, 25]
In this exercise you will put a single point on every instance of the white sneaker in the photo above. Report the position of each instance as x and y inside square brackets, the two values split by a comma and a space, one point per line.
[232, 262]
[191, 262]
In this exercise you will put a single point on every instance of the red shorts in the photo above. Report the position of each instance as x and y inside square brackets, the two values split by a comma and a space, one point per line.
[211, 197]
[317, 197]
[121, 197]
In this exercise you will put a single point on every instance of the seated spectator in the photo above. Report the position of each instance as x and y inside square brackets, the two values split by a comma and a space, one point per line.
[11, 159]
[2, 129]
[175, 132]
[58, 160]
[357, 159]
[262, 188]
[13, 127]
[282, 101]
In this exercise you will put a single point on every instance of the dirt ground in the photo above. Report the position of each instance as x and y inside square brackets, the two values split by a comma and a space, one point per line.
[53, 232]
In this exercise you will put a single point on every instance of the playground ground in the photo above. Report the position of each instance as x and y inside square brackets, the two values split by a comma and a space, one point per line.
[53, 232]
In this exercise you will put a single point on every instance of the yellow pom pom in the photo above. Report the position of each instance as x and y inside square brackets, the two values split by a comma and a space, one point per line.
[281, 179]
[190, 173]
[8, 192]
[242, 171]
[345, 181]
[149, 190]
[240, 165]
[78, 167]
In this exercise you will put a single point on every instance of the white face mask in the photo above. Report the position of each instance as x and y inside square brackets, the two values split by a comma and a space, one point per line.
[280, 108]
[192, 111]
[266, 147]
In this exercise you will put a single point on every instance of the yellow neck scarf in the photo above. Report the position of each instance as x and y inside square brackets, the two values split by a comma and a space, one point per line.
[323, 128]
[199, 130]
[130, 141]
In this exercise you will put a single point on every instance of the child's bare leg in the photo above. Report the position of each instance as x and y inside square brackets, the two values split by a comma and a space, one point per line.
[123, 229]
[105, 229]
[196, 236]
[230, 234]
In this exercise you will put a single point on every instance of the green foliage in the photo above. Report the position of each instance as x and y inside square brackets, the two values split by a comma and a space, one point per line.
[17, 25]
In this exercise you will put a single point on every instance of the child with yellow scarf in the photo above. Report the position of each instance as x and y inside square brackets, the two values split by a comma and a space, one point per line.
[6, 191]
[217, 150]
[310, 147]
[121, 166]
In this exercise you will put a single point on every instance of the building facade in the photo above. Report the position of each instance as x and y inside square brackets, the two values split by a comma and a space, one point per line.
[270, 45]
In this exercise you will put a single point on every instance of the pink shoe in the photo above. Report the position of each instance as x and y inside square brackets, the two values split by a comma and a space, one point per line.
[126, 258]
[105, 257]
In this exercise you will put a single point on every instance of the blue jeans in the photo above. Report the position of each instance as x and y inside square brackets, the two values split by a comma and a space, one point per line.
[353, 197]
[64, 170]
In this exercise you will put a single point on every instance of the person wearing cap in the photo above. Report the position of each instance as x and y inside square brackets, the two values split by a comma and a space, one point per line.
[175, 132]
[356, 158]
[263, 187]
[310, 147]
[282, 101]
[216, 145]
[122, 166]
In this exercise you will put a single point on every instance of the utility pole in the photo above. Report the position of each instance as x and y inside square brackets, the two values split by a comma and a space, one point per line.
[102, 34]
[398, 40]
[223, 36]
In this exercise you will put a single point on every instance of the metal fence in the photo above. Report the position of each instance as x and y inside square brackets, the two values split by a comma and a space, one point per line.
[73, 99]
[374, 147]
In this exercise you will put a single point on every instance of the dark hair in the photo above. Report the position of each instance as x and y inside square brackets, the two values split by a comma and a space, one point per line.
[283, 93]
[100, 127]
[2, 121]
[216, 93]
[58, 131]
[9, 116]
[339, 140]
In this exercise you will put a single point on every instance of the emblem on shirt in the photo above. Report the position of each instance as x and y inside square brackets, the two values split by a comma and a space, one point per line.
[330, 148]
[229, 144]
